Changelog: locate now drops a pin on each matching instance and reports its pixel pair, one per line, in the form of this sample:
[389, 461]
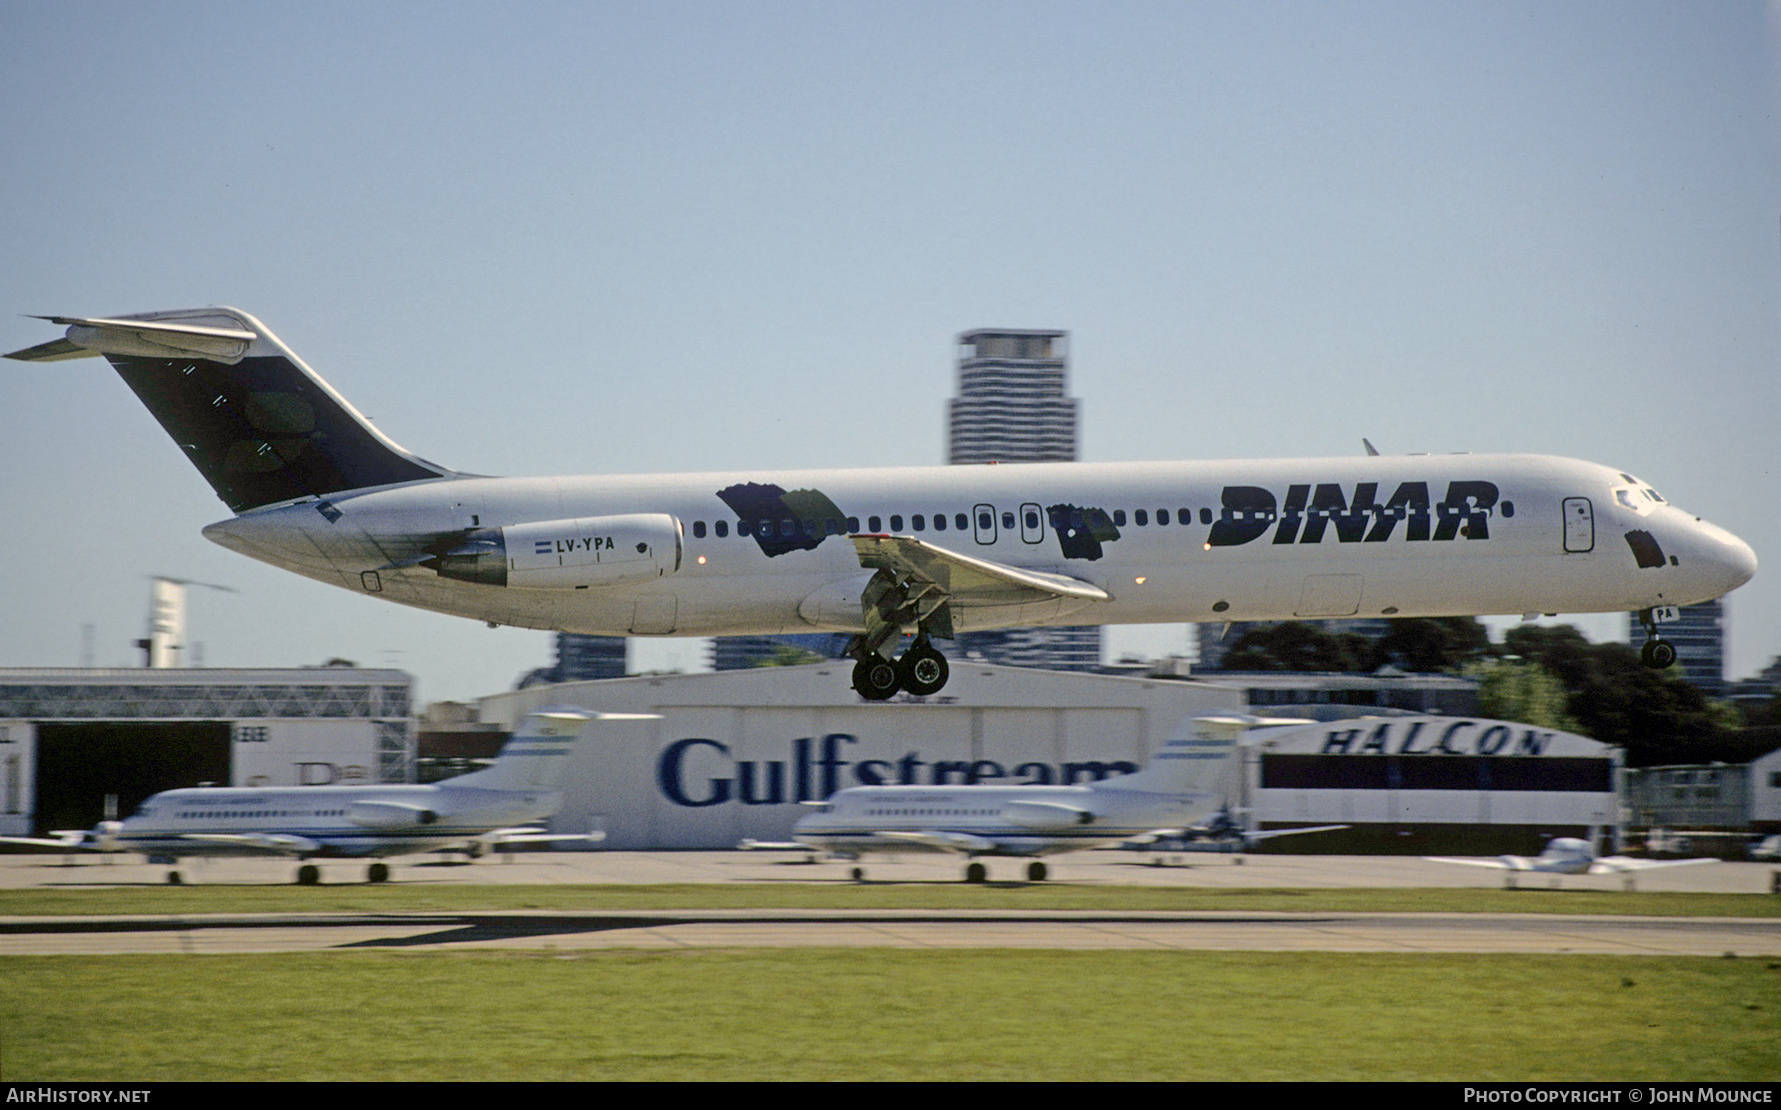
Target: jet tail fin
[1194, 761]
[259, 425]
[538, 753]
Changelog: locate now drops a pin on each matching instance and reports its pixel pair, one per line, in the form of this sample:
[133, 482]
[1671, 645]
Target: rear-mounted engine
[563, 554]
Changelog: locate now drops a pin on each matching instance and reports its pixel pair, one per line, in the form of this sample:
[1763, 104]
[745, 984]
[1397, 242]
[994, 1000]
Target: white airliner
[1179, 787]
[889, 552]
[497, 805]
[1569, 855]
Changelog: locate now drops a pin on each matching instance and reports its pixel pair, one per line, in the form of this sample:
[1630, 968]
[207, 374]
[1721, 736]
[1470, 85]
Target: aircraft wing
[1269, 834]
[946, 841]
[62, 842]
[966, 579]
[1613, 865]
[919, 583]
[1473, 862]
[288, 844]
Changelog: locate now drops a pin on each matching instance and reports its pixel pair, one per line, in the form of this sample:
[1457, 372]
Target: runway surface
[1099, 868]
[659, 930]
[646, 929]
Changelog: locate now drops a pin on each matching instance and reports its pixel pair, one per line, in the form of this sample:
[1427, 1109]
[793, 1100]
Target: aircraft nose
[1731, 561]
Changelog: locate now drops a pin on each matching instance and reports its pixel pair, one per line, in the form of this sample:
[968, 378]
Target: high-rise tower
[1011, 405]
[1012, 408]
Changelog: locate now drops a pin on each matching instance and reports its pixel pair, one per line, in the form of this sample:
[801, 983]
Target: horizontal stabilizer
[95, 335]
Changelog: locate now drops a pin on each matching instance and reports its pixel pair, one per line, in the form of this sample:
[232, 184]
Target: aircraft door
[984, 518]
[1032, 523]
[1579, 525]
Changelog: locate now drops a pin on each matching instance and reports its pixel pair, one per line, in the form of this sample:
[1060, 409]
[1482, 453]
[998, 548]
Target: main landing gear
[921, 671]
[1657, 652]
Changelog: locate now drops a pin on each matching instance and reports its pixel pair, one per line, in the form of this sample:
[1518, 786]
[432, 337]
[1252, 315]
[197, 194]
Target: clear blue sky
[582, 237]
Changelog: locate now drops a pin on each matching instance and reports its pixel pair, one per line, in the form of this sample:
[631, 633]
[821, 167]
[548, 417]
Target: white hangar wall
[735, 752]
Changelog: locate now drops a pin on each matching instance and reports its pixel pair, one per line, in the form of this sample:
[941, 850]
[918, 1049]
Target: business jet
[497, 806]
[1179, 787]
[1568, 855]
[888, 553]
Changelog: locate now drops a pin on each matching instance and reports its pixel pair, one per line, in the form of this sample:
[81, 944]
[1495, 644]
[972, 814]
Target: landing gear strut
[1657, 652]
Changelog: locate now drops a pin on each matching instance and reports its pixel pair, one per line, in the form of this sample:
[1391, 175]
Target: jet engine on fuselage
[570, 554]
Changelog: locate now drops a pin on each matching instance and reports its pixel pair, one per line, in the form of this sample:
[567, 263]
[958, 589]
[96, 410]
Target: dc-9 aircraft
[890, 552]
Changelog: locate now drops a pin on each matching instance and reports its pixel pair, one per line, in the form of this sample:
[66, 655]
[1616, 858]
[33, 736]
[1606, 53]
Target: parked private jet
[1569, 855]
[498, 805]
[1179, 787]
[886, 553]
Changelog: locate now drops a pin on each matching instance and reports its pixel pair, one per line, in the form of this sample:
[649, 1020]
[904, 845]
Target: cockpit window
[1640, 499]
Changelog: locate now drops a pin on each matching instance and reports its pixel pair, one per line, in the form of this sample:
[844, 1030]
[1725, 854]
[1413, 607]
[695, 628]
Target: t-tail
[538, 754]
[257, 423]
[1196, 763]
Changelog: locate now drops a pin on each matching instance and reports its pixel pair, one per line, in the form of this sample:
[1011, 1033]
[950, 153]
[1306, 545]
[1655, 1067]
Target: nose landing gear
[1657, 652]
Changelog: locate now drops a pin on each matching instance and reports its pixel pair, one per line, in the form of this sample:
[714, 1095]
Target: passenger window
[853, 524]
[1119, 518]
[939, 522]
[920, 522]
[874, 524]
[698, 529]
[1205, 516]
[1032, 520]
[1162, 516]
[1185, 516]
[896, 522]
[723, 529]
[1007, 521]
[962, 522]
[1140, 518]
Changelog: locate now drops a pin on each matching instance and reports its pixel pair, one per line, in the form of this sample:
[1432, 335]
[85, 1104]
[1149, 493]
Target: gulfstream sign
[698, 772]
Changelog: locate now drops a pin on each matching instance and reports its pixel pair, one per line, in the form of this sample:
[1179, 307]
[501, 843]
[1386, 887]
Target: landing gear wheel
[976, 873]
[1657, 654]
[378, 873]
[923, 670]
[1035, 872]
[858, 874]
[309, 875]
[875, 678]
[174, 878]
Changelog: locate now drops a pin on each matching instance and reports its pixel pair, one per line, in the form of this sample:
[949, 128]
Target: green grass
[887, 1014]
[395, 897]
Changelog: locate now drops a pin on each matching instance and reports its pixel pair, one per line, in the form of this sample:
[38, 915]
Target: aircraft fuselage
[768, 552]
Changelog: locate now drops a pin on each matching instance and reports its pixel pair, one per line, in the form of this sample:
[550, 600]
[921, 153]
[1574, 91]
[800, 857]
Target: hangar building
[735, 753]
[1430, 784]
[69, 737]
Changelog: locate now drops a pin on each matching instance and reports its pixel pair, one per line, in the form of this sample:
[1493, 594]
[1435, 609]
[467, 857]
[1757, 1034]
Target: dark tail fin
[257, 423]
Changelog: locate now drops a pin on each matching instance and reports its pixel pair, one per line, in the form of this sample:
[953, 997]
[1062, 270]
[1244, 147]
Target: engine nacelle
[1046, 815]
[565, 554]
[389, 815]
